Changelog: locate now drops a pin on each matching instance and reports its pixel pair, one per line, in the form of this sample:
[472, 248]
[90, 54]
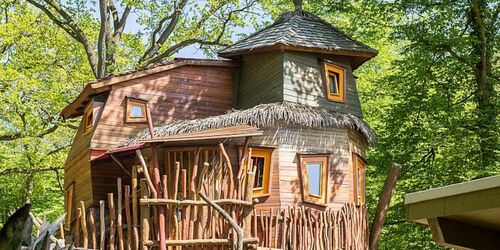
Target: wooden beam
[461, 235]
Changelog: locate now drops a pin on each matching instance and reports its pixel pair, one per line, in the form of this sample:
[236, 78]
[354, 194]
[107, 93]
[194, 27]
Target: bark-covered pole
[383, 205]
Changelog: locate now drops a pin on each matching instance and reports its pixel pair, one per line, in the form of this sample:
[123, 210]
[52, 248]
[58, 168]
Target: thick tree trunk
[487, 112]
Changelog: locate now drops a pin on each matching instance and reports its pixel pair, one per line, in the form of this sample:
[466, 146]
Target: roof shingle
[300, 30]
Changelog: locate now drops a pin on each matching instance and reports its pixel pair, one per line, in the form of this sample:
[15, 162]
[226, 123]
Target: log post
[250, 177]
[127, 217]
[119, 223]
[144, 217]
[111, 221]
[102, 245]
[83, 218]
[383, 205]
[134, 209]
[92, 228]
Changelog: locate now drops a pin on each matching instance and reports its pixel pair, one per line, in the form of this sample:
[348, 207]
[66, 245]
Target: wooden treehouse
[264, 148]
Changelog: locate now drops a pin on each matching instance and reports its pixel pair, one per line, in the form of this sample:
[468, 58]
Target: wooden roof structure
[464, 215]
[264, 115]
[301, 31]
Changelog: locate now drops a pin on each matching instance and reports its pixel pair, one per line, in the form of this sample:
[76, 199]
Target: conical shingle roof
[303, 31]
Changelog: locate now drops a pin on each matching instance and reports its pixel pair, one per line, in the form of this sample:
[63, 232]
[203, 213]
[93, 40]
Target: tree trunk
[487, 112]
[383, 205]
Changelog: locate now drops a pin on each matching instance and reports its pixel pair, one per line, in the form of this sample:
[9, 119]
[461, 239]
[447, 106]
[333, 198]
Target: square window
[334, 79]
[136, 111]
[314, 170]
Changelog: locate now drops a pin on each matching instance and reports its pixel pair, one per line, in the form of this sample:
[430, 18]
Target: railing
[299, 228]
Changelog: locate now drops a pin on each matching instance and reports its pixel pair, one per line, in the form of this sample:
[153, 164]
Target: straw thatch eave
[265, 115]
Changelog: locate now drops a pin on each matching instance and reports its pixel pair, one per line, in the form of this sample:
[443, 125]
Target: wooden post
[383, 205]
[92, 228]
[144, 217]
[102, 245]
[83, 218]
[76, 237]
[127, 217]
[61, 231]
[248, 197]
[111, 221]
[119, 223]
[134, 209]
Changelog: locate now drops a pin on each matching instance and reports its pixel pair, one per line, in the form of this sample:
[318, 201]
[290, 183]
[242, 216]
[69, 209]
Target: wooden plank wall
[261, 79]
[290, 140]
[77, 167]
[183, 93]
[303, 83]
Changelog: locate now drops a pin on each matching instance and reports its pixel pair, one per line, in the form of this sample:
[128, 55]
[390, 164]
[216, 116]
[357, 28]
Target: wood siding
[303, 82]
[77, 167]
[186, 92]
[339, 143]
[261, 79]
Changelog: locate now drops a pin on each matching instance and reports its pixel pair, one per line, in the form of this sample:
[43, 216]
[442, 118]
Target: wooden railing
[299, 228]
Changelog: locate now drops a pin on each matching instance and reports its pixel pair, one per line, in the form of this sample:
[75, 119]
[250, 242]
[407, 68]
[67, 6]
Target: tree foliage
[431, 94]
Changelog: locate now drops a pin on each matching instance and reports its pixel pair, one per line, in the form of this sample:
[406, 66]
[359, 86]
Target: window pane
[333, 79]
[136, 111]
[259, 174]
[314, 178]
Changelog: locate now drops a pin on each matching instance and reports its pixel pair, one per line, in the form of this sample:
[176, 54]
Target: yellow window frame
[328, 69]
[307, 196]
[88, 118]
[266, 154]
[359, 176]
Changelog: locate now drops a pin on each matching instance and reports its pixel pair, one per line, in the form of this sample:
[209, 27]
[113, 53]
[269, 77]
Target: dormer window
[136, 110]
[88, 117]
[334, 78]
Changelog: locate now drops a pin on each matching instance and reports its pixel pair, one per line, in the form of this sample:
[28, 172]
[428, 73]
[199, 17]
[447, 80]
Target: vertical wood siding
[261, 79]
[77, 167]
[187, 92]
[303, 83]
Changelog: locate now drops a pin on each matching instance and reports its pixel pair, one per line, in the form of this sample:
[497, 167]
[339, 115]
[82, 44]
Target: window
[359, 167]
[136, 111]
[314, 178]
[334, 78]
[88, 118]
[261, 159]
[68, 203]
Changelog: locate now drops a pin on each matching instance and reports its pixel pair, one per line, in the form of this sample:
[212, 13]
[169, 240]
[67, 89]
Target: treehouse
[273, 134]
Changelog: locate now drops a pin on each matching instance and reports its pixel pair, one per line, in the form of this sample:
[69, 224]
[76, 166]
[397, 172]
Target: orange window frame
[339, 73]
[88, 118]
[359, 178]
[266, 154]
[137, 103]
[323, 160]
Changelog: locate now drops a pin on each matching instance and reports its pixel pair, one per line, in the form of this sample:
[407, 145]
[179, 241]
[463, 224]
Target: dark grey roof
[300, 30]
[262, 116]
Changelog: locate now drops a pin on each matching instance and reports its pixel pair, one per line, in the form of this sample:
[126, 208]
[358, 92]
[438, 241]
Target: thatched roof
[300, 30]
[262, 116]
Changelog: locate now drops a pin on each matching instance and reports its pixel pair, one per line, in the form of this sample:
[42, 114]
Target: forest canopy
[431, 94]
